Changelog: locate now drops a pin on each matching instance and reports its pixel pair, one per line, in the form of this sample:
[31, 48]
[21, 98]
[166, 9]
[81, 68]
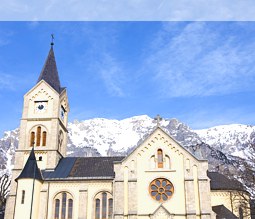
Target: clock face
[40, 106]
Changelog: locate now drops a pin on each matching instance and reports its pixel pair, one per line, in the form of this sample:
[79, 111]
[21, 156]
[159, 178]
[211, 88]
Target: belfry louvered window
[38, 136]
[32, 139]
[44, 135]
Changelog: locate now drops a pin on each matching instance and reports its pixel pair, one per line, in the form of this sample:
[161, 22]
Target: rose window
[161, 189]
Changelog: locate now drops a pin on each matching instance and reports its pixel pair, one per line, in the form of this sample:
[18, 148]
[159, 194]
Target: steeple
[49, 72]
[31, 170]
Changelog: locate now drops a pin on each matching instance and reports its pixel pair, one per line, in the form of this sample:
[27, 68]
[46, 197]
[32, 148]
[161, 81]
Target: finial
[158, 118]
[52, 40]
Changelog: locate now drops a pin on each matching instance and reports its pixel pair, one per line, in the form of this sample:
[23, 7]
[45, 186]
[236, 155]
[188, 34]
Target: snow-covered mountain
[8, 144]
[221, 145]
[235, 139]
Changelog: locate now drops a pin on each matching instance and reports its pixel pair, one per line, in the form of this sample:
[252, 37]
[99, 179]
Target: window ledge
[160, 170]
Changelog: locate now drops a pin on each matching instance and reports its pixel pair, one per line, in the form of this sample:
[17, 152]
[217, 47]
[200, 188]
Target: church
[159, 179]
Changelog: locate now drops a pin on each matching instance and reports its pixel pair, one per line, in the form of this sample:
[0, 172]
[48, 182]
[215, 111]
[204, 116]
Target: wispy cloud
[33, 24]
[5, 37]
[13, 82]
[104, 62]
[199, 59]
[111, 73]
[206, 118]
[6, 81]
[142, 10]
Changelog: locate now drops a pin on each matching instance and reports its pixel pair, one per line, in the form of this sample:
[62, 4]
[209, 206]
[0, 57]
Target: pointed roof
[31, 169]
[49, 72]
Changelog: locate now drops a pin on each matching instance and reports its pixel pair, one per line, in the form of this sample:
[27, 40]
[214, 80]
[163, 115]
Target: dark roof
[49, 72]
[83, 167]
[221, 182]
[62, 170]
[30, 169]
[223, 213]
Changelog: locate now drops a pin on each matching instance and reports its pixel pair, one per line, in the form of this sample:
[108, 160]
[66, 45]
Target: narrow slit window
[23, 197]
[38, 136]
[160, 158]
[44, 138]
[32, 139]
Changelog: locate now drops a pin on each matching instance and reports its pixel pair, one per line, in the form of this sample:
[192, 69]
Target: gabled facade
[160, 179]
[160, 172]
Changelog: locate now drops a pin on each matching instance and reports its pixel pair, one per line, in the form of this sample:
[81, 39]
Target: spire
[49, 72]
[31, 170]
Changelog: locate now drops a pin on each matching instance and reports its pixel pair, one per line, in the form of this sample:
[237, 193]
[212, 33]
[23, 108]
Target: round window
[161, 189]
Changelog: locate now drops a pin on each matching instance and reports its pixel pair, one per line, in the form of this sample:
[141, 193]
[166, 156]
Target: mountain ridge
[106, 137]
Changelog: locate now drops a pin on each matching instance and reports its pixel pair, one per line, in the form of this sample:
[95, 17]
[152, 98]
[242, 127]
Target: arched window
[110, 207]
[63, 206]
[167, 162]
[63, 209]
[160, 158]
[103, 206]
[32, 139]
[57, 205]
[152, 162]
[70, 208]
[97, 213]
[38, 136]
[44, 136]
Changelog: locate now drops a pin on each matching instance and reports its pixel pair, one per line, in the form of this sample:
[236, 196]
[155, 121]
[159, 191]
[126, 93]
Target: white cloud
[196, 60]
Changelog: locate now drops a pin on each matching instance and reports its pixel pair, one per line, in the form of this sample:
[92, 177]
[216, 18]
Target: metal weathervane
[52, 39]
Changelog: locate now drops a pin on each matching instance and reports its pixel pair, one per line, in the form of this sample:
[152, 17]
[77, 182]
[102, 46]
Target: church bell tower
[44, 119]
[42, 139]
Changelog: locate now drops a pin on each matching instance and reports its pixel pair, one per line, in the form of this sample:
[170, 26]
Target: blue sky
[126, 10]
[202, 73]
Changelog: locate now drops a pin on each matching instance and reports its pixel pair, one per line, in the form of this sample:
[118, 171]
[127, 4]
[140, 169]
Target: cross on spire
[52, 40]
[158, 118]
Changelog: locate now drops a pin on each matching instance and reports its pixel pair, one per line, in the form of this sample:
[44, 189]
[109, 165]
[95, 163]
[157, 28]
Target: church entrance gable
[161, 213]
